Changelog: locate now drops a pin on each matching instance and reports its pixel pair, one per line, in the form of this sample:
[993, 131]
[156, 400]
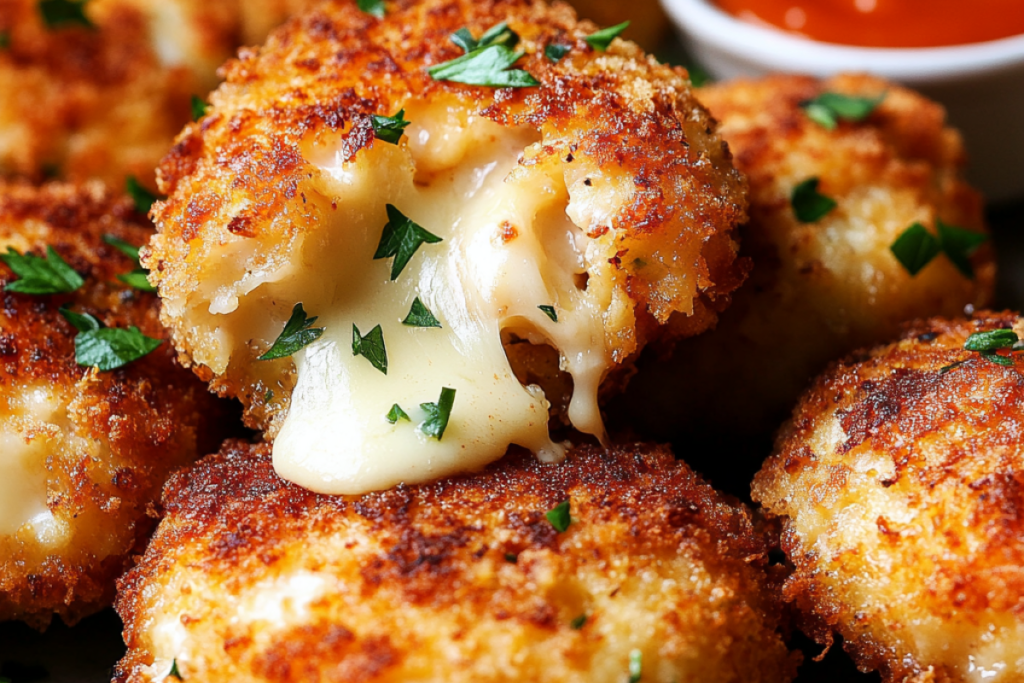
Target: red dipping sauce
[887, 23]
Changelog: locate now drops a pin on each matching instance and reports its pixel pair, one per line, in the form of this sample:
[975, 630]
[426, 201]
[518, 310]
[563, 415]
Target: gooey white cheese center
[507, 248]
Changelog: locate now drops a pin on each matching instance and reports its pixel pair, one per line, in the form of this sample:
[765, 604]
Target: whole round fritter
[84, 453]
[104, 100]
[900, 480]
[250, 578]
[244, 195]
[821, 289]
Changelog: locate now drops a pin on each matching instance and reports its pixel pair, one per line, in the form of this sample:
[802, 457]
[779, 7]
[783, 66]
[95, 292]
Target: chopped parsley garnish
[401, 238]
[958, 245]
[142, 197]
[559, 516]
[438, 414]
[198, 108]
[486, 66]
[174, 670]
[51, 275]
[512, 558]
[578, 623]
[555, 51]
[603, 38]
[396, 413]
[57, 13]
[107, 348]
[809, 205]
[138, 278]
[549, 311]
[5, 40]
[916, 247]
[389, 128]
[371, 347]
[499, 34]
[828, 108]
[636, 666]
[986, 344]
[420, 316]
[297, 334]
[373, 7]
[269, 396]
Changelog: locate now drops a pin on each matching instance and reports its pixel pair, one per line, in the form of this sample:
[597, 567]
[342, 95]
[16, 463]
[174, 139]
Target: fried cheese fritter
[250, 578]
[83, 454]
[818, 290]
[900, 480]
[104, 101]
[601, 194]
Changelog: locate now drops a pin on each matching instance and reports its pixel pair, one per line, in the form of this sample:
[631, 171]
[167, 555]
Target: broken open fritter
[366, 179]
[647, 571]
[83, 453]
[825, 285]
[900, 481]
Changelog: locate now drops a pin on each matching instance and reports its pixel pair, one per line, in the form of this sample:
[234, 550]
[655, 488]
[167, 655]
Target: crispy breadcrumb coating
[83, 454]
[105, 102]
[254, 186]
[818, 290]
[250, 578]
[900, 480]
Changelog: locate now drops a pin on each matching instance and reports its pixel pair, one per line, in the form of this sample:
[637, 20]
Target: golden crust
[414, 582]
[820, 290]
[105, 102]
[109, 439]
[241, 175]
[901, 491]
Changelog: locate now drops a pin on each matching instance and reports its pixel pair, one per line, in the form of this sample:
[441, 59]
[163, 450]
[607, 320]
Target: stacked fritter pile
[424, 243]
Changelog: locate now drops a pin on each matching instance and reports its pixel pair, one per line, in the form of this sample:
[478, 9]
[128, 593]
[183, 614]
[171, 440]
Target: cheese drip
[507, 248]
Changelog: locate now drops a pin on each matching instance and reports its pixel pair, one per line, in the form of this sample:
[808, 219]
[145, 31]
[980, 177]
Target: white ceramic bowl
[981, 85]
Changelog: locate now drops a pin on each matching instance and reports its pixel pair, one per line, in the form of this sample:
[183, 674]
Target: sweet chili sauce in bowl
[887, 23]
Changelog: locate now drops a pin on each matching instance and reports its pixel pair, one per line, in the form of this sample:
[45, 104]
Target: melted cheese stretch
[507, 248]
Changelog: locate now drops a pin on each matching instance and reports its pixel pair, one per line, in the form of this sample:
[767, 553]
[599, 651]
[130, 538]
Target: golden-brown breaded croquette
[590, 209]
[250, 578]
[820, 289]
[104, 100]
[83, 453]
[900, 480]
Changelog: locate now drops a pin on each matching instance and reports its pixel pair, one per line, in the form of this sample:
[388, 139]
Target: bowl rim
[782, 51]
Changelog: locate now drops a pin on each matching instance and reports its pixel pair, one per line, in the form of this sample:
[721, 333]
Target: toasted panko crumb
[250, 578]
[818, 290]
[900, 482]
[83, 454]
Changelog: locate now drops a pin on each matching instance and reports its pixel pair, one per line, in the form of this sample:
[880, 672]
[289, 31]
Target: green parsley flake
[51, 275]
[5, 40]
[142, 197]
[488, 66]
[420, 316]
[107, 348]
[198, 108]
[396, 413]
[549, 311]
[958, 245]
[499, 34]
[578, 623]
[809, 205]
[512, 558]
[559, 516]
[174, 670]
[828, 108]
[401, 238]
[603, 38]
[371, 347]
[438, 414]
[986, 344]
[915, 248]
[126, 248]
[297, 334]
[138, 278]
[373, 7]
[58, 13]
[269, 396]
[555, 51]
[389, 128]
[636, 666]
